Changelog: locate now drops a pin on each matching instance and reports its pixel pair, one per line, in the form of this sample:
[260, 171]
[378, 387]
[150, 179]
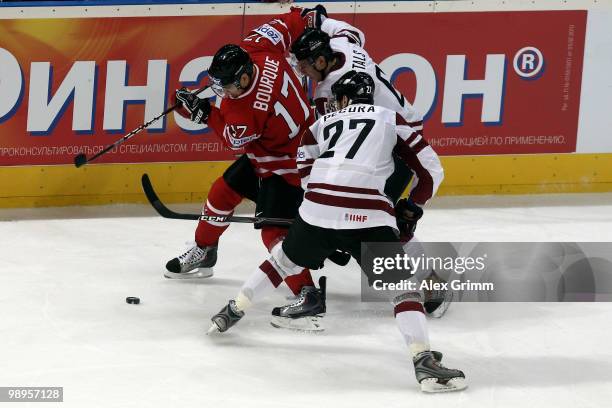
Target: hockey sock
[267, 277]
[297, 282]
[221, 201]
[297, 277]
[412, 324]
[272, 235]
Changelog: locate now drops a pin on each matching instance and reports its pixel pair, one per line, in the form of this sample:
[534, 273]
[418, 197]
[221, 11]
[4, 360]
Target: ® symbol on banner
[528, 62]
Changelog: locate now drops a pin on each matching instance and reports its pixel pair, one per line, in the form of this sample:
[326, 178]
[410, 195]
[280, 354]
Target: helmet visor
[220, 87]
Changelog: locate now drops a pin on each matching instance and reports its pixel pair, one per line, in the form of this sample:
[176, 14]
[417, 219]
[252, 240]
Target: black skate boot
[305, 313]
[226, 318]
[437, 301]
[433, 376]
[195, 263]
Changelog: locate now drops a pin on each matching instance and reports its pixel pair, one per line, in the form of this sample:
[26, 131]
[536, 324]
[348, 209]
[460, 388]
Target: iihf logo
[355, 217]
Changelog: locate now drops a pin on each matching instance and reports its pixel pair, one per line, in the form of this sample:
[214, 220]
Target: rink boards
[516, 95]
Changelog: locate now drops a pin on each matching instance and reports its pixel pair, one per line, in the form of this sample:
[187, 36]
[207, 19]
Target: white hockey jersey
[347, 42]
[345, 158]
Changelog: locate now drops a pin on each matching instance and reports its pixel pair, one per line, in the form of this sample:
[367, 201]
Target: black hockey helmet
[358, 87]
[228, 65]
[312, 44]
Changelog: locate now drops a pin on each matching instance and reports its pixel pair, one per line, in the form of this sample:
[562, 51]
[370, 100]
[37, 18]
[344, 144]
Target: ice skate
[305, 313]
[226, 318]
[437, 302]
[195, 263]
[434, 377]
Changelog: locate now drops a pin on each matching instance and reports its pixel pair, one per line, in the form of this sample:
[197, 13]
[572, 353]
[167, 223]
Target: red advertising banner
[88, 81]
[489, 82]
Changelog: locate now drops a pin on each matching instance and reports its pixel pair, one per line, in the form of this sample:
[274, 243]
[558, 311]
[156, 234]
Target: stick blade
[80, 159]
[157, 204]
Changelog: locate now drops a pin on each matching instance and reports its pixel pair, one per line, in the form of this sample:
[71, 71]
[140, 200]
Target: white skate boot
[195, 263]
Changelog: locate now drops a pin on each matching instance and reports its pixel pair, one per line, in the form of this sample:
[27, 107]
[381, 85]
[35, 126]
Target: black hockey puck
[132, 300]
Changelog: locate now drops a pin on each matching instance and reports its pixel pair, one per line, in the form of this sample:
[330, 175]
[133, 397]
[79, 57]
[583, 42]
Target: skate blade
[306, 324]
[198, 273]
[432, 385]
[212, 329]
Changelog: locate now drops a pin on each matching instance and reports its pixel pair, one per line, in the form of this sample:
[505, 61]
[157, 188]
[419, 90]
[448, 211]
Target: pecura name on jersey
[266, 84]
[350, 109]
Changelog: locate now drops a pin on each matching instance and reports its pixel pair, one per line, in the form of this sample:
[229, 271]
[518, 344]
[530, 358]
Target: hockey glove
[407, 213]
[198, 109]
[314, 17]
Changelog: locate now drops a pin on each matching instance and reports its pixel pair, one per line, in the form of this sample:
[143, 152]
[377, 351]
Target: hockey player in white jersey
[326, 53]
[344, 160]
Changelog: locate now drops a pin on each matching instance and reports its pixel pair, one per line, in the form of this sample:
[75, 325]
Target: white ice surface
[64, 275]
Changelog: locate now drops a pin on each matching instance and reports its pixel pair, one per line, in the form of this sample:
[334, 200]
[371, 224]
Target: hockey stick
[80, 159]
[338, 257]
[168, 213]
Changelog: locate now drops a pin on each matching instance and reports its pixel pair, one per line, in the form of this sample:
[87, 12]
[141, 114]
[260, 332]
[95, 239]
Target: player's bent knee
[283, 261]
[271, 236]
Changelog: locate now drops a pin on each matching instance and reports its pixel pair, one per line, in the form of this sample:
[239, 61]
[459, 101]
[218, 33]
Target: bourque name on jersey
[266, 84]
[350, 109]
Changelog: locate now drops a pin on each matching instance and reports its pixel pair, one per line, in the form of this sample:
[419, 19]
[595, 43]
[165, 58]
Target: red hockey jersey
[267, 119]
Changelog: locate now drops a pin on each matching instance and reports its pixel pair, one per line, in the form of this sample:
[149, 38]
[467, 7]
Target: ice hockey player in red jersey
[346, 158]
[263, 110]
